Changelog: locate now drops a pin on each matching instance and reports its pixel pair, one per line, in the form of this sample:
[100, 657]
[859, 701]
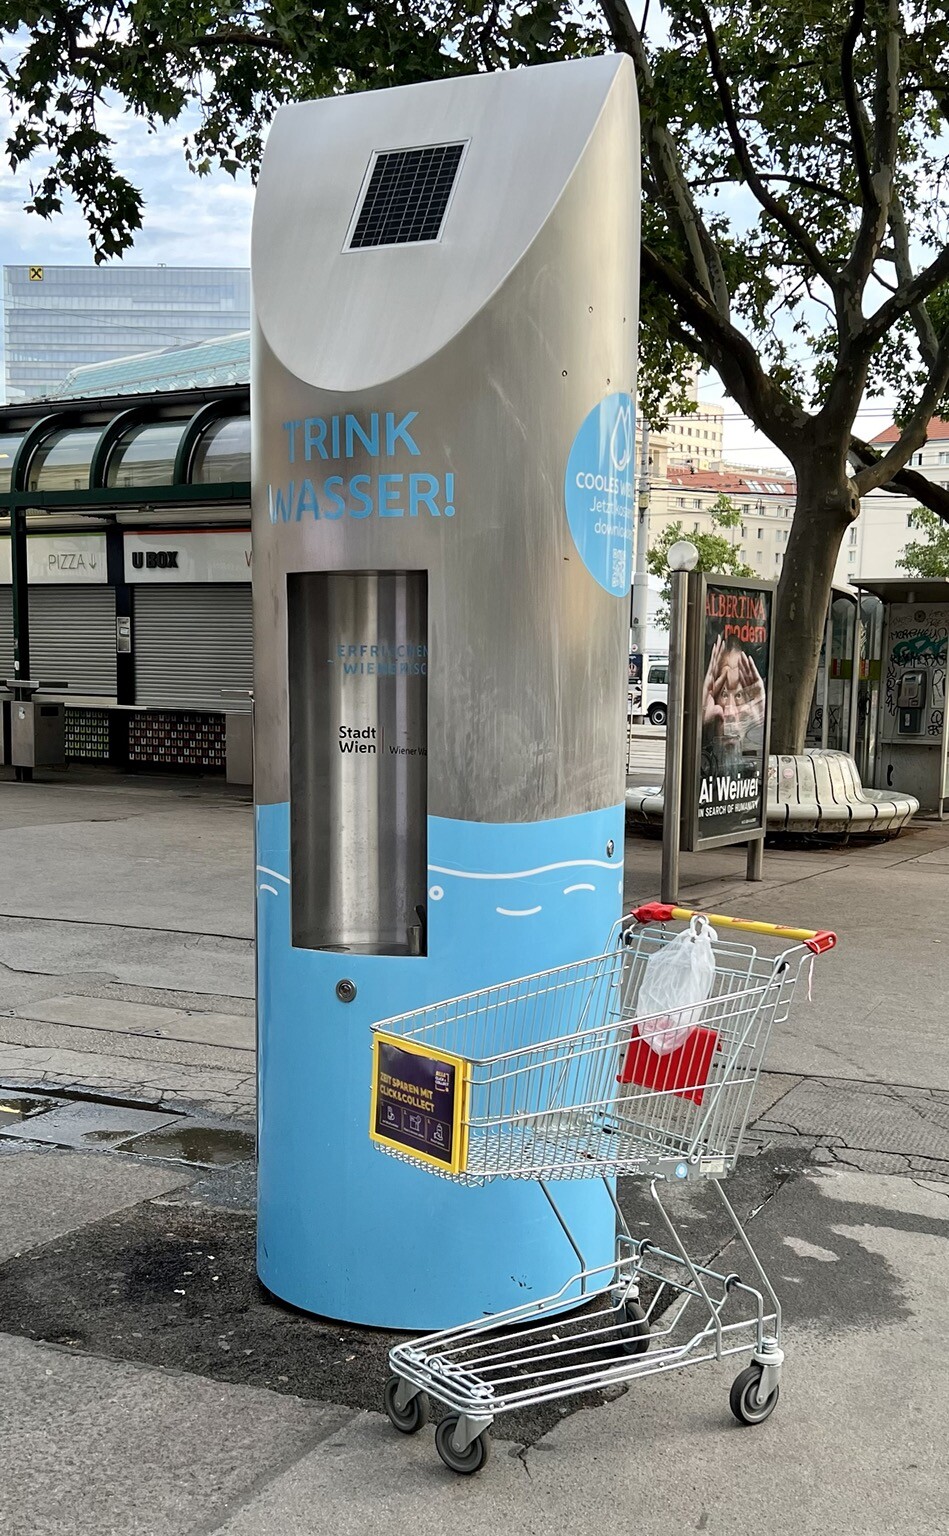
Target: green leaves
[757, 117]
[718, 551]
[771, 110]
[235, 61]
[930, 556]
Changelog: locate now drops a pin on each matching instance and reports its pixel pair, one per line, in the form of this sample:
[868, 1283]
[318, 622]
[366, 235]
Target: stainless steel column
[358, 759]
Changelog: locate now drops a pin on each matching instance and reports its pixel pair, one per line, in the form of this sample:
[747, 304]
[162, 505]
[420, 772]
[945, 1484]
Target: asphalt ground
[154, 1386]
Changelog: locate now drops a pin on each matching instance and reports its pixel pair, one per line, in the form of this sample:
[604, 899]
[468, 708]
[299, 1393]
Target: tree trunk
[827, 503]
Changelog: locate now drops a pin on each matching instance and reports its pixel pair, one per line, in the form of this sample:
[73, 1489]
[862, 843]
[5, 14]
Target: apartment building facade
[765, 501]
[874, 544]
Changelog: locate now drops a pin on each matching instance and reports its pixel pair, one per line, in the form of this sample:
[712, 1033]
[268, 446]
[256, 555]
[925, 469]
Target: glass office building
[56, 319]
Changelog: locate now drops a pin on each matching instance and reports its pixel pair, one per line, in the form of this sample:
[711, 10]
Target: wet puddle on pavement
[110, 1136]
[16, 1107]
[211, 1146]
[86, 1124]
[80, 1123]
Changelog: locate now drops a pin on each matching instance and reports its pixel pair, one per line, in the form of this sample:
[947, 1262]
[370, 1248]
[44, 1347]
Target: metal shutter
[6, 632]
[194, 646]
[72, 637]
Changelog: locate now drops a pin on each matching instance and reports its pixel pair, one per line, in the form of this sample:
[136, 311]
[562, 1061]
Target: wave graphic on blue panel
[529, 894]
[503, 900]
[436, 892]
[493, 887]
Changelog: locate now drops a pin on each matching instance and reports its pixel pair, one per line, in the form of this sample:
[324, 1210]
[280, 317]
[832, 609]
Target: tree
[793, 159]
[811, 291]
[717, 552]
[232, 63]
[928, 557]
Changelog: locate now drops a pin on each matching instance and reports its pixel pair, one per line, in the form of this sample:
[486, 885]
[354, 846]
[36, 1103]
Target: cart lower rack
[555, 1076]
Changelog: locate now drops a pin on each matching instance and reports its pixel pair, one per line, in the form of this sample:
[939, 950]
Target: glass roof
[222, 361]
[9, 443]
[222, 452]
[63, 460]
[145, 454]
[199, 449]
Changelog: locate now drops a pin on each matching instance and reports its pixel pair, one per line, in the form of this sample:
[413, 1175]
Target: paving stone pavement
[95, 1440]
[169, 1396]
[94, 1445]
[873, 1126]
[172, 1083]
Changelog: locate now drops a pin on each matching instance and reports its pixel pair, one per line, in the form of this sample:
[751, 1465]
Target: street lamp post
[683, 557]
[640, 605]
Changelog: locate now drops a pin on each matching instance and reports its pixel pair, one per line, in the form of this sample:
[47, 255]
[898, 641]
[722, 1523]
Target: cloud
[188, 221]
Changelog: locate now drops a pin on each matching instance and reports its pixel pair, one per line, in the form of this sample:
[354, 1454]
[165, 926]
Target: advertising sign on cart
[419, 1103]
[728, 710]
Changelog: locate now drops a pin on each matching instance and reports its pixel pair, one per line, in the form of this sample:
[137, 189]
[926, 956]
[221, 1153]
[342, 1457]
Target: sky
[189, 221]
[744, 445]
[193, 222]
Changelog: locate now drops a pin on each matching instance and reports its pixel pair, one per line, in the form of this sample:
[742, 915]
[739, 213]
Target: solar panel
[407, 196]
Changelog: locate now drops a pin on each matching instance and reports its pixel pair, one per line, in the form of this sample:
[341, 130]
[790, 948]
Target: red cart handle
[817, 940]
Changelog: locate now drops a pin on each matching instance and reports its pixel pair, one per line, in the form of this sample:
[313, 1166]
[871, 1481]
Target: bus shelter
[126, 631]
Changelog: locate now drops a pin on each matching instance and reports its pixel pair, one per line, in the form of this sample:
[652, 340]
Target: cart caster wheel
[467, 1461]
[742, 1399]
[633, 1336]
[410, 1419]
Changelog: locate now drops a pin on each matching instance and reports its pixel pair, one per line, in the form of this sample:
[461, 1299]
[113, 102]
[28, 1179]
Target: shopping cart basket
[552, 1077]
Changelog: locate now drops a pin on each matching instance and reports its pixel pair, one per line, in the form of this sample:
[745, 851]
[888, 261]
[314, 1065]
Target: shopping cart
[552, 1077]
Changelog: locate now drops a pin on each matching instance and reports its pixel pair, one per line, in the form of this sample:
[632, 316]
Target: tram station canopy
[164, 429]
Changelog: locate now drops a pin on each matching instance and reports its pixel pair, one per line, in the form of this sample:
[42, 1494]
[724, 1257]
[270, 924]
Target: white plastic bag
[677, 982]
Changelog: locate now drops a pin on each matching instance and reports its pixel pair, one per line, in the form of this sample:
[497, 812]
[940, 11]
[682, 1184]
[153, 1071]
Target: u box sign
[154, 559]
[213, 555]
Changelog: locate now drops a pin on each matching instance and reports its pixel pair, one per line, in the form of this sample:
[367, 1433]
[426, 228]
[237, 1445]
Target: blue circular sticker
[598, 493]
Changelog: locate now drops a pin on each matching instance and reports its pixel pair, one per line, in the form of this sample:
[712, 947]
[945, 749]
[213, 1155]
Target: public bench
[818, 792]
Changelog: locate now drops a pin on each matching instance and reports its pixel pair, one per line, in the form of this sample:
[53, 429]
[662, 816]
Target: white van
[655, 702]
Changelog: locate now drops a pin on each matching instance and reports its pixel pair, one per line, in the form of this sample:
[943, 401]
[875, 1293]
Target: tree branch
[815, 298]
[485, 31]
[792, 227]
[908, 296]
[913, 433]
[858, 138]
[671, 182]
[876, 182]
[902, 262]
[887, 96]
[731, 354]
[834, 193]
[904, 482]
